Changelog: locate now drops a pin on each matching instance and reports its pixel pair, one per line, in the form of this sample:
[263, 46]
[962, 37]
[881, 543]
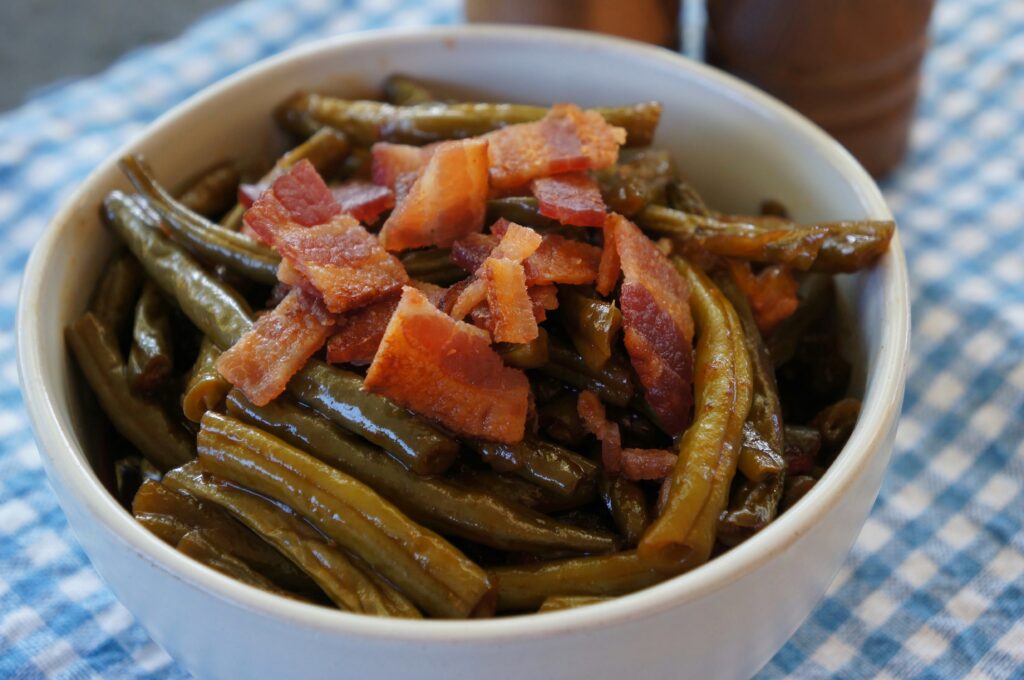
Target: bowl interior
[737, 146]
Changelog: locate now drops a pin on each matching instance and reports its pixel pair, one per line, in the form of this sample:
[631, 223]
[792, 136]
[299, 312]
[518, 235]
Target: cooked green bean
[627, 504]
[797, 487]
[533, 354]
[433, 265]
[709, 449]
[212, 242]
[752, 507]
[802, 446]
[554, 603]
[681, 195]
[761, 455]
[518, 491]
[196, 546]
[560, 420]
[836, 423]
[205, 387]
[343, 582]
[171, 514]
[442, 505]
[326, 149]
[339, 395]
[404, 91]
[522, 210]
[370, 121]
[113, 303]
[540, 462]
[613, 383]
[526, 587]
[633, 184]
[593, 325]
[425, 567]
[143, 423]
[151, 358]
[214, 192]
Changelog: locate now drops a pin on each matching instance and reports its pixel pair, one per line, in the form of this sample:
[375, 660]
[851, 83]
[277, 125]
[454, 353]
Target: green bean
[797, 487]
[219, 313]
[143, 423]
[343, 582]
[433, 265]
[613, 383]
[526, 587]
[518, 491]
[214, 192]
[326, 149]
[627, 504]
[533, 354]
[816, 295]
[444, 506]
[367, 122]
[752, 507]
[631, 185]
[404, 91]
[195, 545]
[836, 423]
[522, 210]
[802, 446]
[205, 387]
[681, 195]
[213, 307]
[592, 324]
[709, 449]
[339, 395]
[171, 514]
[554, 603]
[212, 242]
[151, 358]
[429, 570]
[761, 454]
[560, 420]
[113, 303]
[540, 462]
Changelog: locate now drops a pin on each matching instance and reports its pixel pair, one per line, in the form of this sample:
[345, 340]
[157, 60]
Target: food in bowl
[496, 366]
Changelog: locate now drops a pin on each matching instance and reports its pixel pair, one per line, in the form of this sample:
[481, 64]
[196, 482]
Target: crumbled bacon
[248, 193]
[572, 198]
[592, 415]
[610, 266]
[471, 251]
[566, 140]
[558, 260]
[641, 464]
[544, 299]
[446, 202]
[658, 328]
[300, 219]
[391, 162]
[772, 292]
[446, 370]
[363, 200]
[276, 347]
[508, 300]
[360, 332]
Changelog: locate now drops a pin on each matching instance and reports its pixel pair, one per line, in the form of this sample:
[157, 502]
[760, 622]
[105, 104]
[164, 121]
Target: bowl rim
[878, 416]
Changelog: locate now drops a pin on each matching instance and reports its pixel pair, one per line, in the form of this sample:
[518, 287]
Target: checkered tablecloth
[935, 584]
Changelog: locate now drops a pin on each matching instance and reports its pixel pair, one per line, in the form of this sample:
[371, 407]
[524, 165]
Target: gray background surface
[45, 41]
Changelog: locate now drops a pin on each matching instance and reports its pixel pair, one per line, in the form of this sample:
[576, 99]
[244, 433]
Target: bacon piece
[566, 140]
[592, 415]
[447, 201]
[610, 266]
[571, 199]
[544, 299]
[508, 301]
[363, 200]
[646, 464]
[446, 370]
[558, 260]
[517, 243]
[299, 218]
[772, 292]
[248, 193]
[471, 251]
[658, 328]
[390, 162]
[276, 347]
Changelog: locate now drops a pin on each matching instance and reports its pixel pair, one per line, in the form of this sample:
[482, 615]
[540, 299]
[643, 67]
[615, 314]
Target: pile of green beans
[338, 497]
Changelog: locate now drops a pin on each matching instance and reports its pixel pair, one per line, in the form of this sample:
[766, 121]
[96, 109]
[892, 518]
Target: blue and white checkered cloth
[934, 587]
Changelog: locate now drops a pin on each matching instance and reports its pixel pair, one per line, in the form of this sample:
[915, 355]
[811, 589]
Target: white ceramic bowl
[723, 620]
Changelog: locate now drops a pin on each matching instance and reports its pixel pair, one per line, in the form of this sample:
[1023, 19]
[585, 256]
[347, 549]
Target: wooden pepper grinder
[852, 66]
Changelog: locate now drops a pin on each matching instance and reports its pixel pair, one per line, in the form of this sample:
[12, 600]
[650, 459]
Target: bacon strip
[263, 360]
[571, 199]
[592, 415]
[446, 370]
[363, 200]
[566, 140]
[610, 265]
[517, 243]
[446, 202]
[658, 328]
[640, 464]
[508, 301]
[299, 218]
[558, 260]
[390, 162]
[772, 292]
